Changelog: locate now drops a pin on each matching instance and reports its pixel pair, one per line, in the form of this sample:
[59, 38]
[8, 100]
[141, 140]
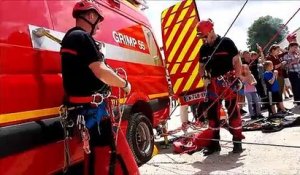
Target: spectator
[274, 56]
[287, 85]
[275, 97]
[255, 65]
[250, 92]
[293, 68]
[246, 59]
[256, 68]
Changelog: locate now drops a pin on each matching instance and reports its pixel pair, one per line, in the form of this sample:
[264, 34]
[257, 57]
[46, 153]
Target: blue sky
[224, 12]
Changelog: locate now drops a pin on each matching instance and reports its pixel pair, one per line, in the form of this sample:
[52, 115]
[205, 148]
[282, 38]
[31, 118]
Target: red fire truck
[31, 91]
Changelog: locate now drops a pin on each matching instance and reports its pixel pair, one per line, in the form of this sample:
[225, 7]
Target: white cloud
[224, 12]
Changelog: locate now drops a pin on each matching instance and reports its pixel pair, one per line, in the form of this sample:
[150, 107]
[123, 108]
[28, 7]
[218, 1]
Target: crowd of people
[234, 75]
[267, 79]
[262, 78]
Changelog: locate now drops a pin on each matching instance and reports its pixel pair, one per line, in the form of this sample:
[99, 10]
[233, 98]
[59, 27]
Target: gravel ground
[256, 159]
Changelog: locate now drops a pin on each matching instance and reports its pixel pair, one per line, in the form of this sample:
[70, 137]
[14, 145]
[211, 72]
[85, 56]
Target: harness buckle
[221, 81]
[97, 99]
[206, 96]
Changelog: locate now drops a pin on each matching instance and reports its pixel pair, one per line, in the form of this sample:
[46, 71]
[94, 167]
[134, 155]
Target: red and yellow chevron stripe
[181, 46]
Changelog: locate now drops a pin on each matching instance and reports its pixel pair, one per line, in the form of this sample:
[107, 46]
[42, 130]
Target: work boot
[237, 147]
[214, 147]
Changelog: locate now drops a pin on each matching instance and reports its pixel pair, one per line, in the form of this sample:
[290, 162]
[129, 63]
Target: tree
[263, 30]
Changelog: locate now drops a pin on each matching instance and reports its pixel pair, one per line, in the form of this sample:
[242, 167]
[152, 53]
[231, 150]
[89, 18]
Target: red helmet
[85, 5]
[292, 37]
[204, 27]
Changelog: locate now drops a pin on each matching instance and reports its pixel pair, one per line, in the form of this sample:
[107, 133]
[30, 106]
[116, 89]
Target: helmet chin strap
[93, 25]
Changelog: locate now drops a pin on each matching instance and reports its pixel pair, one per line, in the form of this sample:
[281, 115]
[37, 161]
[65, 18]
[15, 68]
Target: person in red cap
[293, 68]
[219, 57]
[292, 38]
[86, 81]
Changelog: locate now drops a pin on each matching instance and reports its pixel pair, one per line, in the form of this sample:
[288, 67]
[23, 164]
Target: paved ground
[256, 159]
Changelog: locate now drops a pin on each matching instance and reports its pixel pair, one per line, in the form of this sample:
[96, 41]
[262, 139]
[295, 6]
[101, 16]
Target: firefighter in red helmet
[88, 6]
[86, 81]
[204, 27]
[219, 57]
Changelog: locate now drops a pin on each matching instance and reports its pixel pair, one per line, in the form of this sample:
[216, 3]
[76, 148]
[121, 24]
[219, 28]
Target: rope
[202, 115]
[42, 32]
[211, 56]
[217, 47]
[277, 33]
[218, 98]
[63, 113]
[270, 103]
[120, 110]
[227, 141]
[216, 50]
[67, 156]
[247, 143]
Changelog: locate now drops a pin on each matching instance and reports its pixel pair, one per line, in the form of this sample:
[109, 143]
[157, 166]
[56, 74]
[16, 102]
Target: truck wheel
[140, 137]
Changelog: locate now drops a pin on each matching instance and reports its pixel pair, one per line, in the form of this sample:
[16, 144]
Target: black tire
[140, 137]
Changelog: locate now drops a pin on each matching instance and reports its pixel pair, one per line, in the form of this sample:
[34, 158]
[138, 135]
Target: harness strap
[123, 165]
[113, 161]
[93, 25]
[94, 100]
[87, 99]
[113, 158]
[90, 163]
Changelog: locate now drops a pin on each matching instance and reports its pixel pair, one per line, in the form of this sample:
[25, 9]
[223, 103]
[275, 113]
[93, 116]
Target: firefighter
[86, 79]
[222, 64]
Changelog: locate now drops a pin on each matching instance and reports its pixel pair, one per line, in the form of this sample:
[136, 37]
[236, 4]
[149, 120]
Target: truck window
[153, 48]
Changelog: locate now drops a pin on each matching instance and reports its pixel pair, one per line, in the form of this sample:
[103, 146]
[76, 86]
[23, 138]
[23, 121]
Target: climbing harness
[266, 128]
[84, 133]
[218, 46]
[67, 125]
[81, 124]
[236, 79]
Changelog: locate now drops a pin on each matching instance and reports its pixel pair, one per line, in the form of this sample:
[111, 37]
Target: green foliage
[263, 30]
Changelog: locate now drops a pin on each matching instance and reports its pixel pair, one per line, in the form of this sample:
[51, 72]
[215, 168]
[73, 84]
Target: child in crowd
[273, 89]
[251, 93]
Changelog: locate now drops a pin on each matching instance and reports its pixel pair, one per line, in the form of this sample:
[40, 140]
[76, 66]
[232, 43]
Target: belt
[94, 100]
